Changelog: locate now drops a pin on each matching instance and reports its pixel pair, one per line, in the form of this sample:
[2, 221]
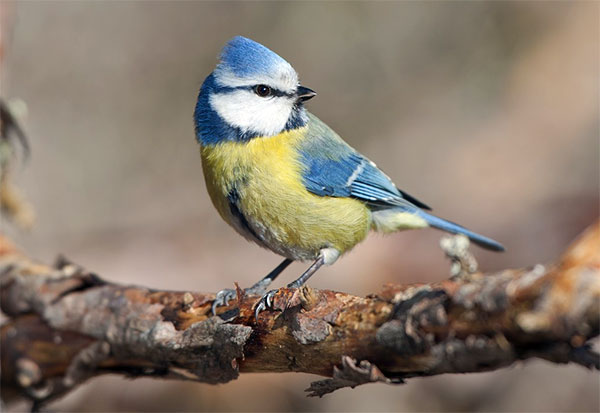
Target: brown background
[488, 111]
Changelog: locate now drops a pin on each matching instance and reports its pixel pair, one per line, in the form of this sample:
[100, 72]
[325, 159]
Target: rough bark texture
[66, 325]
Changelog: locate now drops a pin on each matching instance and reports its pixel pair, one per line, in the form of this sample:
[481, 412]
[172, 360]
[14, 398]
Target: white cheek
[251, 113]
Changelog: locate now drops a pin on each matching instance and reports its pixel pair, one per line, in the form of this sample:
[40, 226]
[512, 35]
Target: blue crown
[245, 57]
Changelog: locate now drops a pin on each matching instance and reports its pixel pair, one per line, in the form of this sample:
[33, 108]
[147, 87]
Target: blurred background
[487, 111]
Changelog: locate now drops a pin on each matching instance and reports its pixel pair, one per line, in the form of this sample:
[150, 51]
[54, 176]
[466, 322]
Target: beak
[305, 93]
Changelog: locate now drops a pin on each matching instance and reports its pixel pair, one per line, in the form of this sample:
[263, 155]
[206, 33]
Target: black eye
[262, 90]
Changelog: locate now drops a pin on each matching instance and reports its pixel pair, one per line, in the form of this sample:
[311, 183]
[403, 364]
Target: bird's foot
[302, 298]
[265, 303]
[226, 295]
[223, 298]
[284, 299]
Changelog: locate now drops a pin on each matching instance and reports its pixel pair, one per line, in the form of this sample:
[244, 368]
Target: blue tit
[285, 180]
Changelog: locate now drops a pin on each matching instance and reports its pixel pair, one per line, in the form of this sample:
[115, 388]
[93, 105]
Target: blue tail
[453, 228]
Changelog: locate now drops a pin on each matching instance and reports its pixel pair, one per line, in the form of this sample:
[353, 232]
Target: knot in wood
[406, 333]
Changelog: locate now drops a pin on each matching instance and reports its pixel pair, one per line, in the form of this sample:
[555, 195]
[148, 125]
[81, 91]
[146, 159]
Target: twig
[67, 325]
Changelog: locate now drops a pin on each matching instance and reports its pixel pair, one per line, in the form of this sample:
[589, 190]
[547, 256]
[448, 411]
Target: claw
[265, 303]
[259, 308]
[222, 299]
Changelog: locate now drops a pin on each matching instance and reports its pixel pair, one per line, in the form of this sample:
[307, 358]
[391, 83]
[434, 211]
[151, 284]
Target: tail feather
[453, 228]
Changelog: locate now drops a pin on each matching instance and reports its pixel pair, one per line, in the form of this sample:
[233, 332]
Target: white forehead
[281, 76]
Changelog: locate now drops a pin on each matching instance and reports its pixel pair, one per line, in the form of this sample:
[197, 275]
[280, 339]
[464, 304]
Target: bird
[284, 179]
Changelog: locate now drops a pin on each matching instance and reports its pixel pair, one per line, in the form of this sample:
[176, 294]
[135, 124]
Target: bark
[66, 325]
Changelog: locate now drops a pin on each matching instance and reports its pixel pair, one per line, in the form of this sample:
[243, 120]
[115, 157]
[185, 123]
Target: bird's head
[252, 92]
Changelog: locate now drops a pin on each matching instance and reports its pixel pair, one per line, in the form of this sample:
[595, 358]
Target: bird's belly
[298, 224]
[272, 207]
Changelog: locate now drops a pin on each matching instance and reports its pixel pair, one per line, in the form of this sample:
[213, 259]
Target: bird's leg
[224, 296]
[261, 286]
[266, 301]
[300, 281]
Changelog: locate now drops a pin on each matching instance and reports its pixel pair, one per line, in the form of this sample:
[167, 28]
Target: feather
[334, 168]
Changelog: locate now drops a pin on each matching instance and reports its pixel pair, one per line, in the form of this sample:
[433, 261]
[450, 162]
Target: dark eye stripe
[279, 93]
[274, 92]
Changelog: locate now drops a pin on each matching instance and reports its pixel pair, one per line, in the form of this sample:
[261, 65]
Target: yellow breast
[266, 176]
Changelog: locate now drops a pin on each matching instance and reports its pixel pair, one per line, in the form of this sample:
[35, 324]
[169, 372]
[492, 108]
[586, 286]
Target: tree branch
[66, 325]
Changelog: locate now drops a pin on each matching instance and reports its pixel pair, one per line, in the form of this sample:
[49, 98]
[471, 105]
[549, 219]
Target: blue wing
[333, 168]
